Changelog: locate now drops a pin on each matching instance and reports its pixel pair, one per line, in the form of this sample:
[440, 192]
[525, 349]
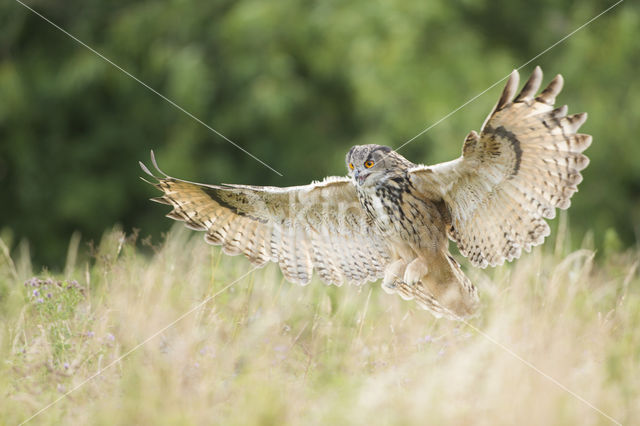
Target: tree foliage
[296, 83]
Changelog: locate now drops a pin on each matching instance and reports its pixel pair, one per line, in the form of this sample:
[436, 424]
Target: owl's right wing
[524, 164]
[319, 225]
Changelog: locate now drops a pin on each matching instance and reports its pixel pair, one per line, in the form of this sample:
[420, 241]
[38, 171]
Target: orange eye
[368, 164]
[351, 166]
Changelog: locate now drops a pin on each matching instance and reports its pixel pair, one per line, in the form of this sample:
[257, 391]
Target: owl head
[366, 164]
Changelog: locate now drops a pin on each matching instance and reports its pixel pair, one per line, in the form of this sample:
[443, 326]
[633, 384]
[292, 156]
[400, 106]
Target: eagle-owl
[390, 218]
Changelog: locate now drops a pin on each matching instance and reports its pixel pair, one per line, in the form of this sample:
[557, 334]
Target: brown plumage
[391, 219]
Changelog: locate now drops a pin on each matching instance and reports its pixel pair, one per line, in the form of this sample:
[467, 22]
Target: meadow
[167, 331]
[177, 333]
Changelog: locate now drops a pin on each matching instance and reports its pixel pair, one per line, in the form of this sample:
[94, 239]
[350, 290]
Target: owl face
[367, 163]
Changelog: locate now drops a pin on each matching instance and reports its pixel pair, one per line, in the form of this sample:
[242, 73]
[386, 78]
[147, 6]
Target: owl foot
[416, 269]
[392, 275]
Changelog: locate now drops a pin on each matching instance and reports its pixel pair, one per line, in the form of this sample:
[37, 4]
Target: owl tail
[445, 291]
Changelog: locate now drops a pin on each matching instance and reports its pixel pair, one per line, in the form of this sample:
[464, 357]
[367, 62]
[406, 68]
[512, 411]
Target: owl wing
[525, 163]
[319, 225]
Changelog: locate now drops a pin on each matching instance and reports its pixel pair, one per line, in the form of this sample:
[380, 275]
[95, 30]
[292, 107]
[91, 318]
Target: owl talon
[405, 291]
[415, 271]
[389, 287]
[393, 275]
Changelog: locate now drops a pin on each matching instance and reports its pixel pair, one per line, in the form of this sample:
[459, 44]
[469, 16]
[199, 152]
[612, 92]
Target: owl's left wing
[524, 164]
[319, 225]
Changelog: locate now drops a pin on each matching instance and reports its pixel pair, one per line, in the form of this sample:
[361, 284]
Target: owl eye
[368, 164]
[351, 166]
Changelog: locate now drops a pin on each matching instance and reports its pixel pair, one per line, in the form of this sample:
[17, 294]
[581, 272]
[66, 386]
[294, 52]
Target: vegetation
[143, 332]
[262, 351]
[295, 83]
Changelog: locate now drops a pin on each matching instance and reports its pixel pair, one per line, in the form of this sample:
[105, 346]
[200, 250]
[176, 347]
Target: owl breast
[399, 212]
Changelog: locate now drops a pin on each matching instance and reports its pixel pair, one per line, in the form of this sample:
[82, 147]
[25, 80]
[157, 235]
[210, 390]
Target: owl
[391, 219]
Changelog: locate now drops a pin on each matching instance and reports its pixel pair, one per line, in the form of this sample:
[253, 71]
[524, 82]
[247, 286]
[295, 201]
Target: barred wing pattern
[320, 225]
[525, 163]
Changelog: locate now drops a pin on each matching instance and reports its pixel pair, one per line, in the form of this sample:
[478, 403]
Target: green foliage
[295, 83]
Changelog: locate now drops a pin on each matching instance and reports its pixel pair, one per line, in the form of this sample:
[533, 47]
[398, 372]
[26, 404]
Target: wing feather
[524, 164]
[320, 225]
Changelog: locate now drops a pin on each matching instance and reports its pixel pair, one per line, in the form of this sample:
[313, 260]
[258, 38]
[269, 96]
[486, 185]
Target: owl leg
[416, 269]
[392, 275]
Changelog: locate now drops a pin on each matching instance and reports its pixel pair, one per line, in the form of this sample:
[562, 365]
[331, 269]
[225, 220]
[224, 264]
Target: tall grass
[265, 351]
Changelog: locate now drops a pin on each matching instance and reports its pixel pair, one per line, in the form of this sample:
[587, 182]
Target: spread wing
[525, 163]
[320, 225]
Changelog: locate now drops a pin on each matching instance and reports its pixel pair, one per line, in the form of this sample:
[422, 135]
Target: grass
[265, 351]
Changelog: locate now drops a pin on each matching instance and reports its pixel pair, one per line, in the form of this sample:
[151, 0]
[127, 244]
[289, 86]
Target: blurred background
[296, 83]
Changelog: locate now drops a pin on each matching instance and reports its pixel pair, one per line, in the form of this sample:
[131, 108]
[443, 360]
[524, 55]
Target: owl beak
[360, 177]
